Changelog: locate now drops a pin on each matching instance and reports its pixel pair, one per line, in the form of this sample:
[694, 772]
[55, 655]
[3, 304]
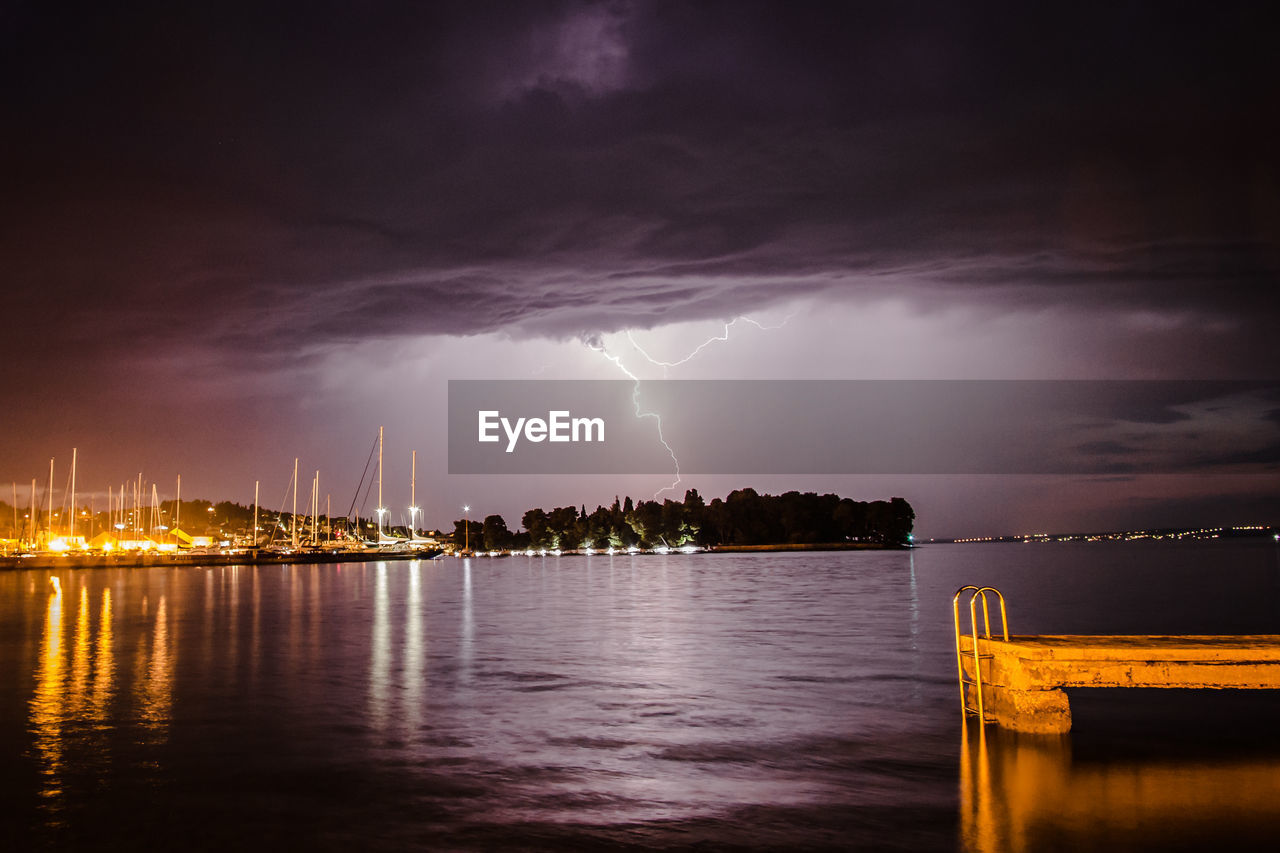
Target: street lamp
[466, 528]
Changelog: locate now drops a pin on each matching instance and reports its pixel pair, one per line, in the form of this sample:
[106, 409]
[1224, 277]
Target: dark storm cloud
[1107, 448]
[1266, 456]
[258, 180]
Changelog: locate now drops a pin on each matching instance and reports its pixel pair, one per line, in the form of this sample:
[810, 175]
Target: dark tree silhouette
[745, 517]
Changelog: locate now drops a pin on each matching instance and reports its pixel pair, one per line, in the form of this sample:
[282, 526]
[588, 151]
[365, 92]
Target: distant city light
[1125, 535]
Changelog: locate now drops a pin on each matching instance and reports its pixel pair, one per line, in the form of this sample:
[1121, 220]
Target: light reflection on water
[70, 707]
[104, 667]
[1025, 793]
[380, 670]
[413, 652]
[468, 625]
[154, 679]
[766, 701]
[47, 704]
[77, 692]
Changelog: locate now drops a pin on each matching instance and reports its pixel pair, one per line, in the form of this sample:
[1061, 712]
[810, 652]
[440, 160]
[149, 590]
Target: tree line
[745, 517]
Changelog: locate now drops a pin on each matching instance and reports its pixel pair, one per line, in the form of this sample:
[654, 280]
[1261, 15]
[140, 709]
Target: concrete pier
[1023, 678]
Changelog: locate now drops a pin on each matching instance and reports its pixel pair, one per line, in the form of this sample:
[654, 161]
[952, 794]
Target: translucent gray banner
[863, 426]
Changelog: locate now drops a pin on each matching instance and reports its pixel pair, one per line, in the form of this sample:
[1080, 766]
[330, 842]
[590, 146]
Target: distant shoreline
[801, 546]
[144, 561]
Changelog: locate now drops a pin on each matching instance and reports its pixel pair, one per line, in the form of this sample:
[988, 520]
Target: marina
[156, 559]
[146, 533]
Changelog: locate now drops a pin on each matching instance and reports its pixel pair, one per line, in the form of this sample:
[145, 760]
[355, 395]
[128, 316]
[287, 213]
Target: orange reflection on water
[1026, 793]
[155, 686]
[64, 699]
[315, 647]
[232, 598]
[104, 664]
[47, 702]
[255, 631]
[78, 690]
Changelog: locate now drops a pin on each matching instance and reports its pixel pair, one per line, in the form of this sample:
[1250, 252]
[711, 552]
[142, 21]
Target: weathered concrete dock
[1022, 678]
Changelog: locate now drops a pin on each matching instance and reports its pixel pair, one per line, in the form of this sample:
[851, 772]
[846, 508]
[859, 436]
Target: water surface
[746, 701]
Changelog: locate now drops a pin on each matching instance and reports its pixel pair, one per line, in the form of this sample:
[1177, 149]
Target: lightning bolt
[596, 344]
[720, 338]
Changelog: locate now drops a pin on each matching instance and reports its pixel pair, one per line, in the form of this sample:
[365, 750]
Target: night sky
[241, 233]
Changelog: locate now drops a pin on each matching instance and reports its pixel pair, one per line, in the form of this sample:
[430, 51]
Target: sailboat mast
[413, 495]
[177, 504]
[72, 533]
[255, 513]
[315, 510]
[295, 502]
[49, 521]
[381, 508]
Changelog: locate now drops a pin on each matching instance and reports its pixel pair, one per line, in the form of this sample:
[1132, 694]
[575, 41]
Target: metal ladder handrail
[977, 592]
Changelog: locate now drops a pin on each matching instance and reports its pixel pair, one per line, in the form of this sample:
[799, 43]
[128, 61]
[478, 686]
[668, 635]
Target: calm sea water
[760, 701]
